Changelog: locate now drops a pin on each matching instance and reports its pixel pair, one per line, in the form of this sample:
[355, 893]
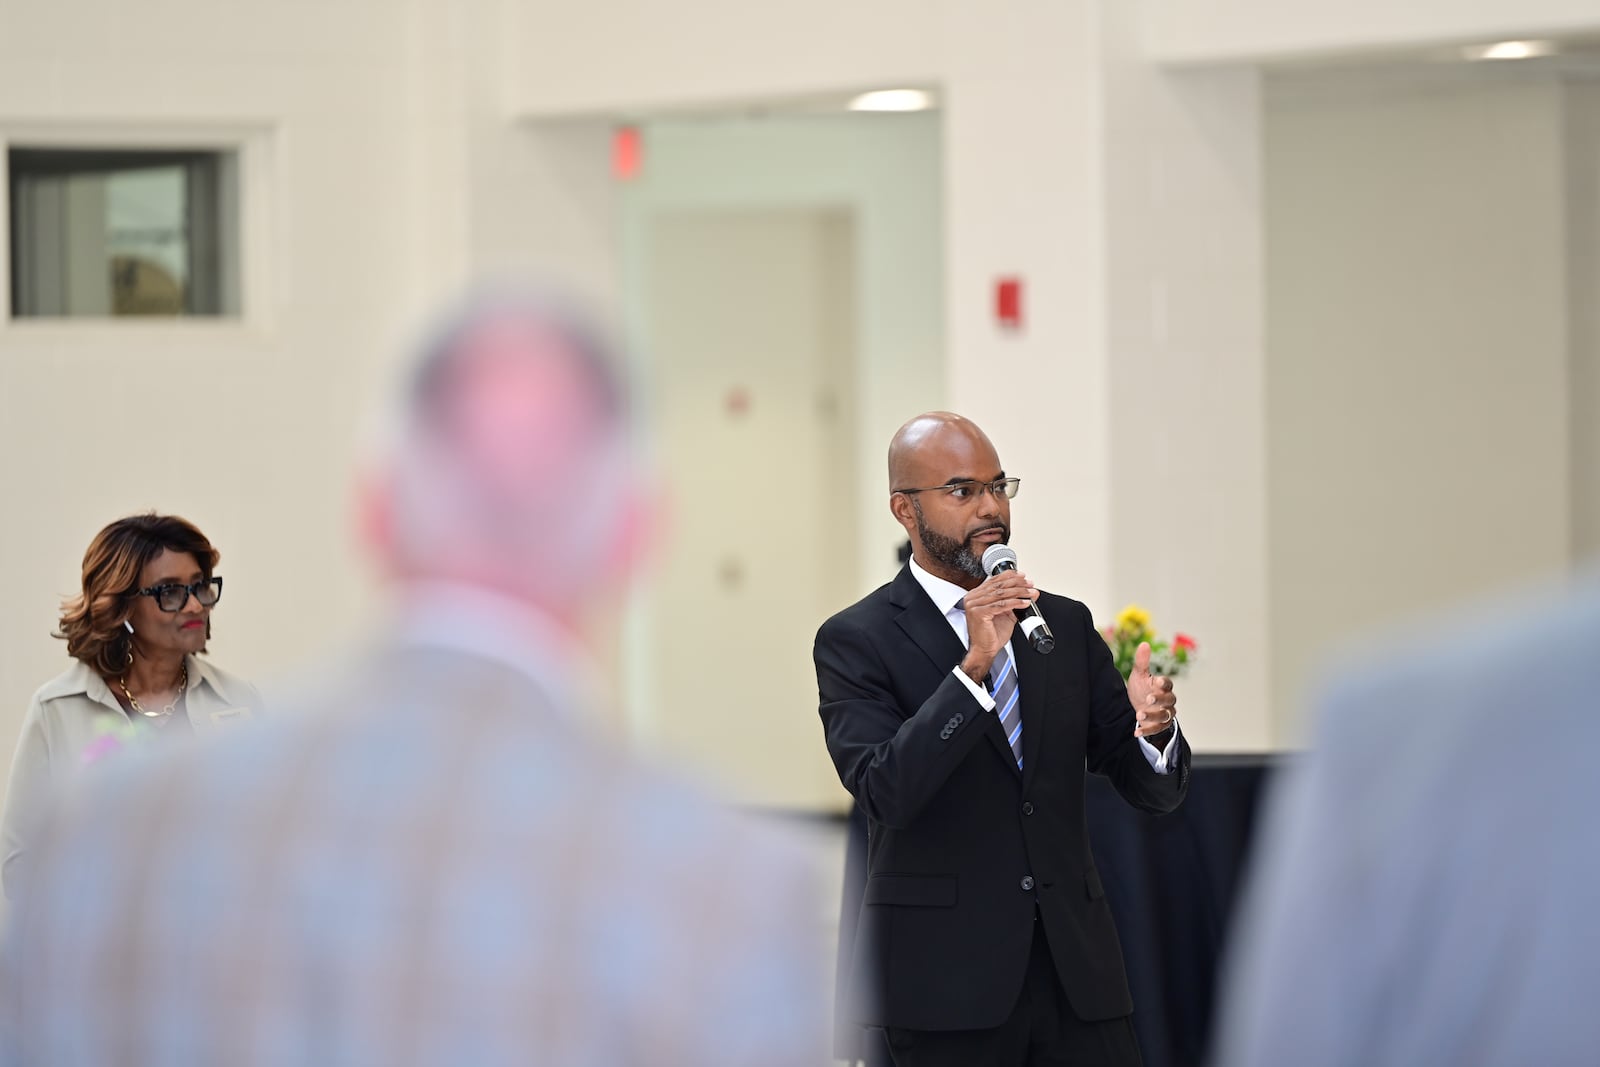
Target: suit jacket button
[1027, 882]
[1027, 807]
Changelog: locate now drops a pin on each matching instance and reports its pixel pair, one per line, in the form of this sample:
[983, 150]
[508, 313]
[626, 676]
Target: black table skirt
[1171, 882]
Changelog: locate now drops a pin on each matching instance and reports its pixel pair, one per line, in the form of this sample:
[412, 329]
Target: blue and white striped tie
[1008, 700]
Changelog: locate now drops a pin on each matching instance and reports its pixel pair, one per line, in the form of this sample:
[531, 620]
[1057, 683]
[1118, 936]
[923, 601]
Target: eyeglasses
[173, 597]
[968, 490]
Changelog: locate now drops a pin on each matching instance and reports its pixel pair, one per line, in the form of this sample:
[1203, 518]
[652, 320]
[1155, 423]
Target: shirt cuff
[979, 692]
[1158, 760]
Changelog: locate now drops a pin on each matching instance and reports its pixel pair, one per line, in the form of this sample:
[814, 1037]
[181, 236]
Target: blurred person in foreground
[1426, 878]
[437, 858]
[135, 633]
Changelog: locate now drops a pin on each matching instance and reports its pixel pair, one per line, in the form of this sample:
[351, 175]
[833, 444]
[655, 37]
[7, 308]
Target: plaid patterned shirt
[432, 862]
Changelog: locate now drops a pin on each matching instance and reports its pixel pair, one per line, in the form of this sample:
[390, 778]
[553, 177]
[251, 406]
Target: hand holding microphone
[993, 610]
[1000, 559]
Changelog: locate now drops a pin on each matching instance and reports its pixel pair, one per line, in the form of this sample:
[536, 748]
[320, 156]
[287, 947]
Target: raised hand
[991, 616]
[1155, 705]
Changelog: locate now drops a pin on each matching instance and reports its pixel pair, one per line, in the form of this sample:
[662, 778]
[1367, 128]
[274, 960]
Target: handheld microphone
[997, 558]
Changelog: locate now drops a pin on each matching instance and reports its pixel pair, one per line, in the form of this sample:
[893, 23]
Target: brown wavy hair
[91, 623]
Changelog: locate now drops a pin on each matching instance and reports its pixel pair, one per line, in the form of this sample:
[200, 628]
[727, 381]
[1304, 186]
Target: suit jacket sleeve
[891, 762]
[1113, 751]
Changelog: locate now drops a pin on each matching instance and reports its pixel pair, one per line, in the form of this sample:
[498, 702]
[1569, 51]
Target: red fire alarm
[1008, 303]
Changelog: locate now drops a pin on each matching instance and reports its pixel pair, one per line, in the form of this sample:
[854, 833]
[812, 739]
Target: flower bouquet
[1133, 627]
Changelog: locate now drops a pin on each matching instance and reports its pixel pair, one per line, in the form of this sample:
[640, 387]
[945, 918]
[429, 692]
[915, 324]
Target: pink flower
[101, 747]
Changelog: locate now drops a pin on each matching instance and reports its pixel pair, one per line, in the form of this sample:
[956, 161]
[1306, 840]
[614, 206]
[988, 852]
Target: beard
[957, 555]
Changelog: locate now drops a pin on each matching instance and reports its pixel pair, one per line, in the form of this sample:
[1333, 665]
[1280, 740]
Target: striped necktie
[1007, 700]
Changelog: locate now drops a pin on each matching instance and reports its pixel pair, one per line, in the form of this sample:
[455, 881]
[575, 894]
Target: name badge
[230, 715]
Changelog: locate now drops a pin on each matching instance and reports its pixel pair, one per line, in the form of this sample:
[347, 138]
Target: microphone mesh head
[995, 555]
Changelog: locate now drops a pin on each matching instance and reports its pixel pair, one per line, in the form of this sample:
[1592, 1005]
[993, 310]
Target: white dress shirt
[947, 597]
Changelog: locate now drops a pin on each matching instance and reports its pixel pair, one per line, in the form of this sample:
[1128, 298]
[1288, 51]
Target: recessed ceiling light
[893, 100]
[1510, 50]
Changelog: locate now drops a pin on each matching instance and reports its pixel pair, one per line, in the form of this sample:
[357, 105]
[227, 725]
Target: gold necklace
[133, 702]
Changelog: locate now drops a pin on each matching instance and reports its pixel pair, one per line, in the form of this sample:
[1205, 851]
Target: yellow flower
[1134, 619]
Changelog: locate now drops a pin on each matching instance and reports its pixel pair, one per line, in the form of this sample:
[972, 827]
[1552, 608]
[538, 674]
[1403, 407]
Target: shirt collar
[945, 595]
[201, 672]
[83, 680]
[493, 626]
[80, 679]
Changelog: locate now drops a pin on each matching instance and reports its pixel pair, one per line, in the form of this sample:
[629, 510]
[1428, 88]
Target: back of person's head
[511, 464]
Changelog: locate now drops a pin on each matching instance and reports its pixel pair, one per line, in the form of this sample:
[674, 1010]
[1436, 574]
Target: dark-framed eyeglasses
[173, 597]
[967, 489]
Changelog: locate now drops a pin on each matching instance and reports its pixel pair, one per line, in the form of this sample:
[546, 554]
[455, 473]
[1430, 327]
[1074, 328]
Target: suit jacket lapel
[922, 622]
[1033, 679]
[931, 632]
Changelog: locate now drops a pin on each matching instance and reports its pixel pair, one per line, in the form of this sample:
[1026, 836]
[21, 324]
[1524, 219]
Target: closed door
[749, 323]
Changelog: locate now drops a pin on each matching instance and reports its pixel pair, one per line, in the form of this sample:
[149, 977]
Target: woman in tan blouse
[135, 634]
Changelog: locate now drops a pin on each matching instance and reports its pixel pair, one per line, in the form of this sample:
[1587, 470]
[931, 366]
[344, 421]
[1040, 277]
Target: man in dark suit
[985, 937]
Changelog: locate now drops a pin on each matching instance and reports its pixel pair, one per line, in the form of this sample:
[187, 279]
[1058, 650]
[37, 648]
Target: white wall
[1055, 123]
[1044, 161]
[1186, 361]
[1128, 202]
[244, 427]
[1417, 414]
[1581, 107]
[639, 55]
[1183, 31]
[1023, 157]
[622, 55]
[406, 147]
[382, 174]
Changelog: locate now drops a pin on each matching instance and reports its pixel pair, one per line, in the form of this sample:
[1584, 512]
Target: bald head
[948, 528]
[928, 443]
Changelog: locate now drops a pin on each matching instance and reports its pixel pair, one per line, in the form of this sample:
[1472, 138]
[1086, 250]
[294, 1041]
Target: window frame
[252, 146]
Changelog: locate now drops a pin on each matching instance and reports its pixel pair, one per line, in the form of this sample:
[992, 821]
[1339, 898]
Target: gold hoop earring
[128, 662]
